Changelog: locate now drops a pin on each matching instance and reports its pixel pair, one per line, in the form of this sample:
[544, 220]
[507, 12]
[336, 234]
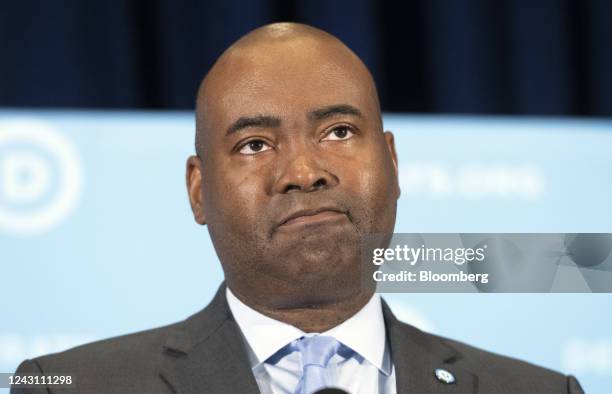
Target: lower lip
[319, 218]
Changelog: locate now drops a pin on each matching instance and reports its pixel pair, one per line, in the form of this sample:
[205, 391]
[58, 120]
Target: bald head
[273, 57]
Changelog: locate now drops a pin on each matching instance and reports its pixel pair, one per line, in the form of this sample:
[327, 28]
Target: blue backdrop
[97, 238]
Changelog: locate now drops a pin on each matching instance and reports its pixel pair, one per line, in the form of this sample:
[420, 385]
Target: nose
[305, 175]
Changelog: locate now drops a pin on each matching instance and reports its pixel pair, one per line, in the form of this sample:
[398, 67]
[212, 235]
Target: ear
[194, 188]
[391, 146]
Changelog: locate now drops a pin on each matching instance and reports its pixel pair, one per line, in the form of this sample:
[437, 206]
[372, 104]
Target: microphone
[330, 390]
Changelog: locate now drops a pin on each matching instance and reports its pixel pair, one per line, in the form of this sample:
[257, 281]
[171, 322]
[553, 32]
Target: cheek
[236, 218]
[373, 184]
[235, 198]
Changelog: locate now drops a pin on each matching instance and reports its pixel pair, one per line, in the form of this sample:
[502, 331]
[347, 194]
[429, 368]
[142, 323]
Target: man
[292, 170]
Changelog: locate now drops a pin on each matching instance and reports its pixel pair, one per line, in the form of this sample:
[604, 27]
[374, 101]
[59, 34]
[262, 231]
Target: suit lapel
[417, 355]
[205, 353]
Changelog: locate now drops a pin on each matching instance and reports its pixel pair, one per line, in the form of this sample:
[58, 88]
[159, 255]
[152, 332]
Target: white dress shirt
[362, 366]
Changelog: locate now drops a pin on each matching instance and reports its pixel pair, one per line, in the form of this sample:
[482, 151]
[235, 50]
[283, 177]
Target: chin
[322, 275]
[322, 255]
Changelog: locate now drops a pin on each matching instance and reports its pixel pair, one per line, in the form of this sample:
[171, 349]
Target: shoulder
[122, 349]
[130, 360]
[484, 370]
[498, 373]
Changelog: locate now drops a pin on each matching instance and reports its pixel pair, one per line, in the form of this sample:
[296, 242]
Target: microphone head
[330, 390]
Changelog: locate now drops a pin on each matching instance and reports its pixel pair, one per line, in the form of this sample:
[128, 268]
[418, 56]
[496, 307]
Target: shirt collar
[363, 332]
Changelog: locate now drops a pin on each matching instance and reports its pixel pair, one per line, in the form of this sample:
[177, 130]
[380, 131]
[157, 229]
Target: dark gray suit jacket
[205, 354]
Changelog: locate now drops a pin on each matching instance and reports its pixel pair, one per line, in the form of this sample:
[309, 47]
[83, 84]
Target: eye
[253, 147]
[339, 133]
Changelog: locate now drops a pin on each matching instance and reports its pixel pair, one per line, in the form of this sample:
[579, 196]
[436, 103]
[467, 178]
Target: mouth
[308, 217]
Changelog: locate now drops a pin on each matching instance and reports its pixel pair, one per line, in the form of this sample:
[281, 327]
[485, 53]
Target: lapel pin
[444, 376]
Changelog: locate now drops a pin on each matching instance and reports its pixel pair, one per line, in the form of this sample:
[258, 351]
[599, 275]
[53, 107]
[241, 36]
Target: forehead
[285, 80]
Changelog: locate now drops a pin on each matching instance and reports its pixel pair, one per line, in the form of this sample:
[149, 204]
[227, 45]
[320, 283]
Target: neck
[311, 318]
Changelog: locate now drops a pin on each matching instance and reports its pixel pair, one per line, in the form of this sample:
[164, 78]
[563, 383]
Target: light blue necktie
[315, 351]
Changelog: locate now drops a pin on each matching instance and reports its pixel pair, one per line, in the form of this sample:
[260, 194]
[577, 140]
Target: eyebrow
[333, 110]
[272, 121]
[253, 121]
